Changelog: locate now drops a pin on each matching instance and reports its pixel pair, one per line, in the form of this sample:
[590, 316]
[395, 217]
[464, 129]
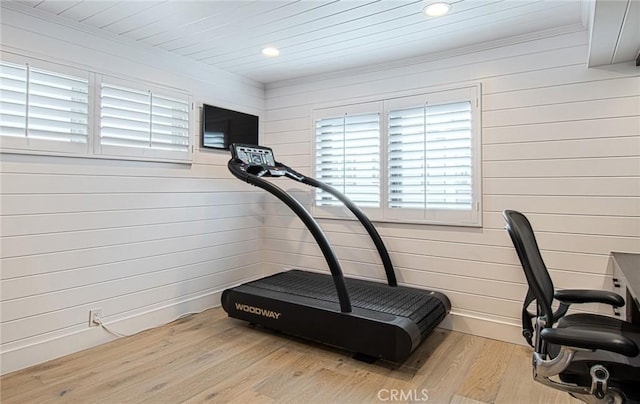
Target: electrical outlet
[95, 316]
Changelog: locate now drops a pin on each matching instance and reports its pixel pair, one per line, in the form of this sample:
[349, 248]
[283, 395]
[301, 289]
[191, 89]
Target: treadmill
[374, 320]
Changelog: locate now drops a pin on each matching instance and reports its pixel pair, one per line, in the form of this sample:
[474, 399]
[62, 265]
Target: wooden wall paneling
[194, 280]
[144, 241]
[560, 143]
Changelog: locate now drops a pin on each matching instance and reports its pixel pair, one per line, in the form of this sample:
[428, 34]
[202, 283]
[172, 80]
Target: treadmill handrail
[364, 220]
[310, 222]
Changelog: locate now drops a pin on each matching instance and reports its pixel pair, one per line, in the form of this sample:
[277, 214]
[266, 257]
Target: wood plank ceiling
[314, 36]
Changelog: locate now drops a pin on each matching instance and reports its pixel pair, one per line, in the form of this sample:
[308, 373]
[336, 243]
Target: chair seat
[624, 371]
[597, 320]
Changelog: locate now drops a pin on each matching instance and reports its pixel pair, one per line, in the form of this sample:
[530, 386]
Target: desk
[626, 281]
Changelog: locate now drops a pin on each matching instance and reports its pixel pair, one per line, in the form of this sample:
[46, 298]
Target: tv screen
[222, 127]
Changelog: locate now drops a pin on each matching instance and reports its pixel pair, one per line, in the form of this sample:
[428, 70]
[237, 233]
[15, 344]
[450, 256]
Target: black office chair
[595, 358]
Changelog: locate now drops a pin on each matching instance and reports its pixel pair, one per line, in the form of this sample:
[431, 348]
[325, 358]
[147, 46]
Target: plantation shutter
[348, 158]
[43, 107]
[169, 123]
[430, 157]
[58, 107]
[13, 103]
[143, 122]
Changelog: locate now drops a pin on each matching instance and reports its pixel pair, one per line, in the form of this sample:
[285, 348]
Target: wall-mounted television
[222, 127]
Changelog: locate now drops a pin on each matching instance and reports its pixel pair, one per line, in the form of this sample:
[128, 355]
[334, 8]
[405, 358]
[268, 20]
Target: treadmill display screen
[255, 155]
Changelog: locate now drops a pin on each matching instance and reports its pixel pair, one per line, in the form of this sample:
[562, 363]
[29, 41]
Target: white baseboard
[42, 351]
[484, 327]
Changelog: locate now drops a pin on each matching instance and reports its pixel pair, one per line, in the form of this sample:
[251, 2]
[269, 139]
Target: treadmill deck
[423, 307]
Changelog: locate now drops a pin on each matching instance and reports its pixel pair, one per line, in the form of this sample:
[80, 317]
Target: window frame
[447, 217]
[93, 148]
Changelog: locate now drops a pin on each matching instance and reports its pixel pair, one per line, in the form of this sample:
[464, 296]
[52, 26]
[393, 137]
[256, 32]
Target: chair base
[596, 392]
[613, 397]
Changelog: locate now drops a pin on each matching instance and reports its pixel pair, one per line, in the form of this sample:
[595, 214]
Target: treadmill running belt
[421, 306]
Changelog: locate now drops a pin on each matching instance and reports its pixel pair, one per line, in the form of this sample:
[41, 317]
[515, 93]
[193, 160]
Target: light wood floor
[210, 357]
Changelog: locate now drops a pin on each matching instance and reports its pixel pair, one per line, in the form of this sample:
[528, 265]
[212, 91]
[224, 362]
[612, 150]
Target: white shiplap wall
[145, 242]
[561, 143]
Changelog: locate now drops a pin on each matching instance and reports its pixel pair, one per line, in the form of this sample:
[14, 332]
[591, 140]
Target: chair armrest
[589, 296]
[587, 339]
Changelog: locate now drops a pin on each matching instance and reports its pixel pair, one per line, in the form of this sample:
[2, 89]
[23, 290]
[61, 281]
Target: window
[137, 122]
[43, 110]
[60, 110]
[431, 148]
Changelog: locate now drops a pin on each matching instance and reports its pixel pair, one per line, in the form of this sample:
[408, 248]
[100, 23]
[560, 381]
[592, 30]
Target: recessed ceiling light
[437, 9]
[270, 51]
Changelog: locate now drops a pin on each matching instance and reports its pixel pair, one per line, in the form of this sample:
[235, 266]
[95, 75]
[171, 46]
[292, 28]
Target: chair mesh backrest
[535, 270]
